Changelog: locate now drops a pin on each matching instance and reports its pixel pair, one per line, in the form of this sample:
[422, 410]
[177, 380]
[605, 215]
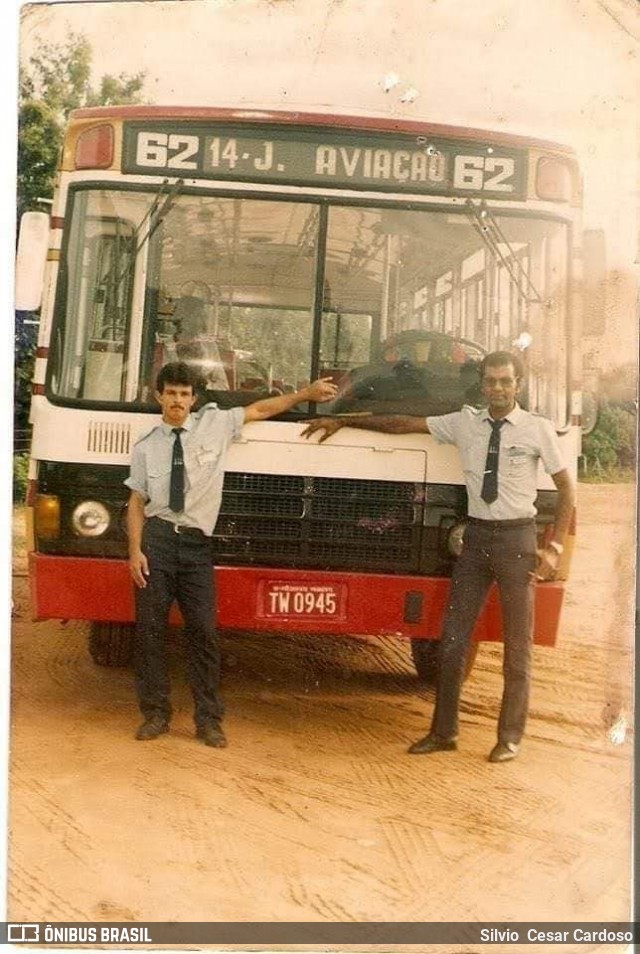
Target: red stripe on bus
[107, 594]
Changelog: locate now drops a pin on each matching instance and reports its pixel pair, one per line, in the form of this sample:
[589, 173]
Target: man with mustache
[500, 447]
[176, 477]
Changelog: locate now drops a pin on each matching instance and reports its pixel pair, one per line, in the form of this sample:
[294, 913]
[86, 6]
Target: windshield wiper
[154, 215]
[492, 235]
[157, 215]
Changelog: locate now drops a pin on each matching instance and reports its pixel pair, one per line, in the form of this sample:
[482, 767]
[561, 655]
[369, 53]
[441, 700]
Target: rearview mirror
[31, 258]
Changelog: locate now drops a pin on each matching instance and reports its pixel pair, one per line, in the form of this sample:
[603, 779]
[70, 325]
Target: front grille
[362, 512]
[320, 522]
[337, 489]
[263, 484]
[391, 559]
[243, 551]
[286, 521]
[263, 504]
[247, 528]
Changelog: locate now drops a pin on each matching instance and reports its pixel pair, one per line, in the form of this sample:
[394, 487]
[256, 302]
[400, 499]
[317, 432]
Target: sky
[565, 70]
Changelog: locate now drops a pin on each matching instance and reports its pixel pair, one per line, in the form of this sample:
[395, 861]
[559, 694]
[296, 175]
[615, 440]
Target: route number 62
[162, 151]
[483, 173]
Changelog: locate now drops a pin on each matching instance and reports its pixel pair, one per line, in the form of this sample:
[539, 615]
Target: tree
[611, 447]
[56, 80]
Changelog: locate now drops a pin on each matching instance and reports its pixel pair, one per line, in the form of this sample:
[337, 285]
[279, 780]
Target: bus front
[268, 250]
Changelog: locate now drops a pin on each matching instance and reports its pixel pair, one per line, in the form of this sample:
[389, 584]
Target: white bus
[269, 248]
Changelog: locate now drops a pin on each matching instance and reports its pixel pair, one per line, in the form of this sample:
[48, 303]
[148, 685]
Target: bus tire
[426, 658]
[111, 644]
[425, 655]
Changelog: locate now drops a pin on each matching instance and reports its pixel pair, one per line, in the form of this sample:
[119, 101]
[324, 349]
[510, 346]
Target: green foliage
[282, 339]
[25, 349]
[57, 80]
[117, 90]
[39, 138]
[20, 474]
[609, 452]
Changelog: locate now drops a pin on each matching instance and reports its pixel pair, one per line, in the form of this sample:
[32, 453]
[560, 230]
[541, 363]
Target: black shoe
[212, 734]
[432, 743]
[151, 728]
[504, 752]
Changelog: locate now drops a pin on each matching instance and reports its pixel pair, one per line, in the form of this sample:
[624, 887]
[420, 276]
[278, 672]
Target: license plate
[284, 600]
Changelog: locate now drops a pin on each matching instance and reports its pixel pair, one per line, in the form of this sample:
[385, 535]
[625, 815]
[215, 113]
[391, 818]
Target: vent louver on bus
[320, 522]
[109, 437]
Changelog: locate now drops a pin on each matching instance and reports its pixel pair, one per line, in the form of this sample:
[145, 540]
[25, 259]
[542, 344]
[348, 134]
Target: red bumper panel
[274, 600]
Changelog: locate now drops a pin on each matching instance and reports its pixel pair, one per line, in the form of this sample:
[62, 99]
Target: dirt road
[315, 812]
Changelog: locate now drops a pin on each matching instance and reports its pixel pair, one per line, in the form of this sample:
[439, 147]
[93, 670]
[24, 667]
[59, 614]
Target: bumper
[264, 598]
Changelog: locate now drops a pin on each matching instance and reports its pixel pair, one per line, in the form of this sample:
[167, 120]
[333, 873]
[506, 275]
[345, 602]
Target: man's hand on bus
[139, 568]
[329, 425]
[321, 390]
[383, 423]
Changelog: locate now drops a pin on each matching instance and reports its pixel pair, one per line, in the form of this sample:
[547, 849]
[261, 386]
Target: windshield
[260, 295]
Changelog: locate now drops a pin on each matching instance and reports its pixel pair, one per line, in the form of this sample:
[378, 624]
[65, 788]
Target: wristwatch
[558, 547]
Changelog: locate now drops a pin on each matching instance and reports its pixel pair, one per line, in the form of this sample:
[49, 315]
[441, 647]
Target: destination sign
[321, 158]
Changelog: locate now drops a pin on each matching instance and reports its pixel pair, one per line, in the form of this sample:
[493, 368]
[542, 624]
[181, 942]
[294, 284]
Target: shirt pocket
[204, 458]
[473, 455]
[518, 459]
[159, 478]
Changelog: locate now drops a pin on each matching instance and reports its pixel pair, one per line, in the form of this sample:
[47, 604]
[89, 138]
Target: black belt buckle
[180, 528]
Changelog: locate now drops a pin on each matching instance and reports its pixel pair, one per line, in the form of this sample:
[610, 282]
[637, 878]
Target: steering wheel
[196, 288]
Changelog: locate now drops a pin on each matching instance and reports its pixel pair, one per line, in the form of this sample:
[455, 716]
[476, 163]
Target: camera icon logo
[23, 933]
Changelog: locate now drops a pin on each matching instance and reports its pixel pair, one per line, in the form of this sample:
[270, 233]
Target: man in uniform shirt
[176, 478]
[499, 447]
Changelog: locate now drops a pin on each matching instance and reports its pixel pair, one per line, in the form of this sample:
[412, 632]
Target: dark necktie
[489, 491]
[176, 488]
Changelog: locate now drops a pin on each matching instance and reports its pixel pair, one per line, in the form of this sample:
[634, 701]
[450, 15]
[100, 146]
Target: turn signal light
[94, 148]
[46, 516]
[553, 180]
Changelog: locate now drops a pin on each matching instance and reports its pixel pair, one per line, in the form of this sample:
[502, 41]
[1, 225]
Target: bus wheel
[425, 658]
[425, 654]
[111, 644]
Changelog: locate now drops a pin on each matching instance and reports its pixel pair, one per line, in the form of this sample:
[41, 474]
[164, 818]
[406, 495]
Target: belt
[179, 528]
[501, 524]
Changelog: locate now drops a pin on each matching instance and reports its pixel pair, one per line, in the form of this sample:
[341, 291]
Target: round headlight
[90, 519]
[456, 538]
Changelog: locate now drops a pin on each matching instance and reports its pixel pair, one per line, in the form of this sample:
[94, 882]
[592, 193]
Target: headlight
[456, 538]
[90, 519]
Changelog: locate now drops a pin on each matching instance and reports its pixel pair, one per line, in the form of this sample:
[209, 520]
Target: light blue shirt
[525, 439]
[207, 435]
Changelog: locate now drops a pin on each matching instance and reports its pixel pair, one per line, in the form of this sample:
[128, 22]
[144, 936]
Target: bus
[268, 249]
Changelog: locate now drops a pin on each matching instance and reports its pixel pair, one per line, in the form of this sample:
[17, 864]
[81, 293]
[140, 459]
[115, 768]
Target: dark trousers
[506, 554]
[180, 568]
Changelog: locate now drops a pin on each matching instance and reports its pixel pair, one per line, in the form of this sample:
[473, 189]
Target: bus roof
[298, 118]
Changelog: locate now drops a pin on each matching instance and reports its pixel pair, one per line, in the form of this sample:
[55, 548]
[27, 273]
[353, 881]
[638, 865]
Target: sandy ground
[315, 812]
